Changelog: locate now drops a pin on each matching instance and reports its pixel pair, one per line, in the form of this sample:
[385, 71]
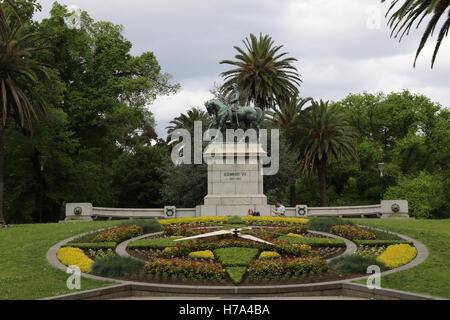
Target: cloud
[342, 46]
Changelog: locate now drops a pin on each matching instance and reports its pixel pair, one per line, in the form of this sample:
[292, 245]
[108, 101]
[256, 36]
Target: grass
[24, 271]
[157, 243]
[235, 256]
[236, 274]
[432, 277]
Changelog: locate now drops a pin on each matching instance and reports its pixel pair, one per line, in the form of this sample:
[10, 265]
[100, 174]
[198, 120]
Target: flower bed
[314, 242]
[194, 221]
[269, 255]
[183, 230]
[380, 242]
[75, 257]
[353, 232]
[189, 269]
[205, 254]
[277, 268]
[118, 234]
[397, 255]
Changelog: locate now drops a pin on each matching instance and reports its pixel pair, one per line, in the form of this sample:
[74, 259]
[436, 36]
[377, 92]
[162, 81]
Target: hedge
[158, 243]
[93, 246]
[314, 242]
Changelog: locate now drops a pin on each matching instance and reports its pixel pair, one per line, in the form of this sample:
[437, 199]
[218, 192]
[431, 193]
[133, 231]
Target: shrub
[117, 266]
[397, 255]
[236, 274]
[380, 242]
[425, 193]
[118, 234]
[185, 268]
[314, 242]
[324, 224]
[148, 225]
[205, 254]
[349, 264]
[75, 257]
[235, 256]
[93, 246]
[353, 232]
[269, 255]
[157, 243]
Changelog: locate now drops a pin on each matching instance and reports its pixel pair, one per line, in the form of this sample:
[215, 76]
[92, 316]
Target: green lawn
[432, 277]
[24, 270]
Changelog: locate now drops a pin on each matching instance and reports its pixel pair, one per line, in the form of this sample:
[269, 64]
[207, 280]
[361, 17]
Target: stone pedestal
[235, 180]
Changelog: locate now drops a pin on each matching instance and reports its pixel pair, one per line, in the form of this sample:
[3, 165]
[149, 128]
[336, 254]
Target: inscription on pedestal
[228, 176]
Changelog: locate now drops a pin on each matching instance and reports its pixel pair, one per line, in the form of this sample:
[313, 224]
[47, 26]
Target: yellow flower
[397, 255]
[193, 220]
[295, 235]
[206, 254]
[269, 255]
[284, 220]
[169, 249]
[75, 257]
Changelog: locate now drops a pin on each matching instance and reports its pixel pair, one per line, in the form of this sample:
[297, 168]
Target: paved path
[241, 298]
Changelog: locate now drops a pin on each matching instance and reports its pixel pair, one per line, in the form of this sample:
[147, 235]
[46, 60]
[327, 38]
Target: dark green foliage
[314, 242]
[138, 176]
[235, 256]
[236, 273]
[324, 224]
[148, 225]
[117, 266]
[354, 264]
[93, 246]
[381, 242]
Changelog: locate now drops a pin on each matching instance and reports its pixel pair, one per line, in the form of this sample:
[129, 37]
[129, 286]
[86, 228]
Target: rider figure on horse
[234, 100]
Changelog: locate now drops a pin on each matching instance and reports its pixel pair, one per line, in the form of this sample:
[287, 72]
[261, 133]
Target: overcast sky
[342, 46]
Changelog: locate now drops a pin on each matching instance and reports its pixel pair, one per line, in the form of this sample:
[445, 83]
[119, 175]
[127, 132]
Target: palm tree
[18, 74]
[186, 121]
[262, 73]
[284, 116]
[322, 133]
[410, 11]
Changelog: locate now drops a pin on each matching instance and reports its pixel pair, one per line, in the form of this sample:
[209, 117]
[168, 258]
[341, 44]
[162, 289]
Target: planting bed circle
[253, 253]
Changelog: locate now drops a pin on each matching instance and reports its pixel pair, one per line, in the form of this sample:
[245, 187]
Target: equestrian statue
[233, 116]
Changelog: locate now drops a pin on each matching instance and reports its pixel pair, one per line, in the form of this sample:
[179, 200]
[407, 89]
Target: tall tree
[403, 18]
[186, 120]
[322, 134]
[264, 75]
[18, 76]
[284, 117]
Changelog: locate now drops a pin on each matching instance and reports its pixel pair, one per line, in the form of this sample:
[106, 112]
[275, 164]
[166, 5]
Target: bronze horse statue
[244, 117]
